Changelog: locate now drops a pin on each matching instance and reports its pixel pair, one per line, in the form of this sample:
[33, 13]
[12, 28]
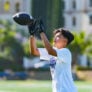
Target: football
[22, 18]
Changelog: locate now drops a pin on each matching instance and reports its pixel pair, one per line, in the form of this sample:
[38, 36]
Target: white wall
[67, 4]
[82, 17]
[80, 4]
[68, 21]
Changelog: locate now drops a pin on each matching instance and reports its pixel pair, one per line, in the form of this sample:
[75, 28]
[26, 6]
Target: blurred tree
[51, 13]
[89, 48]
[82, 44]
[11, 49]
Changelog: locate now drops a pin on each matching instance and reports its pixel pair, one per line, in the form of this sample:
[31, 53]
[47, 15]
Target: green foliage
[11, 49]
[26, 49]
[39, 44]
[81, 44]
[89, 47]
[83, 68]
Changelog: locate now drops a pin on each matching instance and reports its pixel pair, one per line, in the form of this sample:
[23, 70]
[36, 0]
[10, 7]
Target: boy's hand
[36, 26]
[32, 28]
[40, 26]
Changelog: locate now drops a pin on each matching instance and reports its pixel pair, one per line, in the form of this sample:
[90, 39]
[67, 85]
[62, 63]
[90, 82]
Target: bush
[84, 68]
[7, 64]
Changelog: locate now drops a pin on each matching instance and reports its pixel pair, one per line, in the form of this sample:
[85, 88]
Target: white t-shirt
[60, 68]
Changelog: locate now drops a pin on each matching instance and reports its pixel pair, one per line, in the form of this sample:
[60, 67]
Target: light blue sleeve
[63, 55]
[44, 54]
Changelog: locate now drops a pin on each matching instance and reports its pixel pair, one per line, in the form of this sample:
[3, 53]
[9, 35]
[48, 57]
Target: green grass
[38, 86]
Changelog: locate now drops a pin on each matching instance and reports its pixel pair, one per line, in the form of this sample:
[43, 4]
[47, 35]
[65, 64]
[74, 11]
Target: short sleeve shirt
[60, 68]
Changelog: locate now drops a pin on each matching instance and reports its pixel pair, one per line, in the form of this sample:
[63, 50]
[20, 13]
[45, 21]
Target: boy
[58, 55]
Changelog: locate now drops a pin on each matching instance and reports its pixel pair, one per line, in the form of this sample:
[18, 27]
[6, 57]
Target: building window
[74, 21]
[90, 19]
[90, 3]
[7, 6]
[17, 7]
[73, 4]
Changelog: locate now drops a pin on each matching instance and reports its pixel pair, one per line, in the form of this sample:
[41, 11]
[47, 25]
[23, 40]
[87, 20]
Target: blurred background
[16, 62]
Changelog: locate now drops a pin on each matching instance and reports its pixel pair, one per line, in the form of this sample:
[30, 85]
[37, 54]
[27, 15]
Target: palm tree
[81, 45]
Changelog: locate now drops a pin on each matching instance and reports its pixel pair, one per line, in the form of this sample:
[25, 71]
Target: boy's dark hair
[66, 33]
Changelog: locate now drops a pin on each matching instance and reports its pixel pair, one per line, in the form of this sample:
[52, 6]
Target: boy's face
[60, 41]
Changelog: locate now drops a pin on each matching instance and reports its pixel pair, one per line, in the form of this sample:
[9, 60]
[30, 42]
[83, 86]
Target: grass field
[38, 86]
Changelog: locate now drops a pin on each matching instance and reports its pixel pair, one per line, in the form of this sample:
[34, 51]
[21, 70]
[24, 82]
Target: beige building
[78, 15]
[10, 7]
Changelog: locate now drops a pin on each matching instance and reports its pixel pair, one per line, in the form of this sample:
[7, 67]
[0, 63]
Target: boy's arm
[33, 48]
[32, 40]
[47, 44]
